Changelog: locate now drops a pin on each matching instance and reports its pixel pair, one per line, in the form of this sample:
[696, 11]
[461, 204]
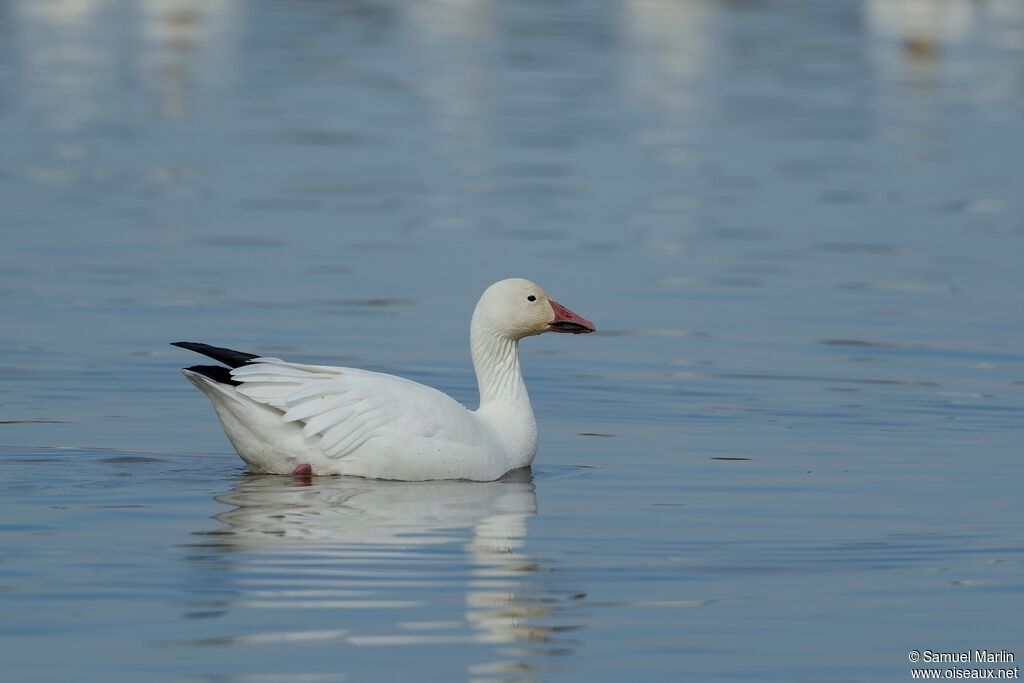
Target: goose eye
[531, 298]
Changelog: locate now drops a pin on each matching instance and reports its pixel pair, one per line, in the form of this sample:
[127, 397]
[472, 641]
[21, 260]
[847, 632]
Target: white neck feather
[504, 404]
[496, 361]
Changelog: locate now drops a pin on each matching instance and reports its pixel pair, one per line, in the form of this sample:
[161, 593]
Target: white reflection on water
[78, 54]
[669, 44]
[270, 510]
[349, 545]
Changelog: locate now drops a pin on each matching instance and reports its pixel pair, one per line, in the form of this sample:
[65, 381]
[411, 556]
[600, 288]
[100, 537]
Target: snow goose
[286, 417]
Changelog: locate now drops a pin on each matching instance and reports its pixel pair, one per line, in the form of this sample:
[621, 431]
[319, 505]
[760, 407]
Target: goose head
[517, 308]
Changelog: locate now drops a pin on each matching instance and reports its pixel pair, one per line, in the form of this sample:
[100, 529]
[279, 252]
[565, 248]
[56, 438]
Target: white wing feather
[347, 407]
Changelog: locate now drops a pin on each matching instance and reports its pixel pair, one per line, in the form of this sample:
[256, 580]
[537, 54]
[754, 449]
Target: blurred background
[798, 226]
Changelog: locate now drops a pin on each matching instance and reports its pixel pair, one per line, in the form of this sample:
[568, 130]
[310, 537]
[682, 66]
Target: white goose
[286, 417]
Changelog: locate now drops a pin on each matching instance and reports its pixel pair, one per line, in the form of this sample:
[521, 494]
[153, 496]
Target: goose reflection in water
[396, 548]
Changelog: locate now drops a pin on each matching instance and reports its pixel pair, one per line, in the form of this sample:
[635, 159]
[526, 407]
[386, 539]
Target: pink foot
[303, 470]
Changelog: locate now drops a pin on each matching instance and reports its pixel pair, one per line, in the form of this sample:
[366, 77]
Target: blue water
[791, 452]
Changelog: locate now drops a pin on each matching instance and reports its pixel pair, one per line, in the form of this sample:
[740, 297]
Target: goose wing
[347, 407]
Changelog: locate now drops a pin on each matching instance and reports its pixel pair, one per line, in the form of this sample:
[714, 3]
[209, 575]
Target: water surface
[790, 453]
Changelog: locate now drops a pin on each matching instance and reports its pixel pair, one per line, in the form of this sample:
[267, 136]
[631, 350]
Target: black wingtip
[218, 373]
[228, 357]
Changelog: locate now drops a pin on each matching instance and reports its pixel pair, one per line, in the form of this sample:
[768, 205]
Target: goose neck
[496, 361]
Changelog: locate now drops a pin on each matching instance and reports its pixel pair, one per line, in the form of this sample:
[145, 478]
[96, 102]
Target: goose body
[284, 417]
